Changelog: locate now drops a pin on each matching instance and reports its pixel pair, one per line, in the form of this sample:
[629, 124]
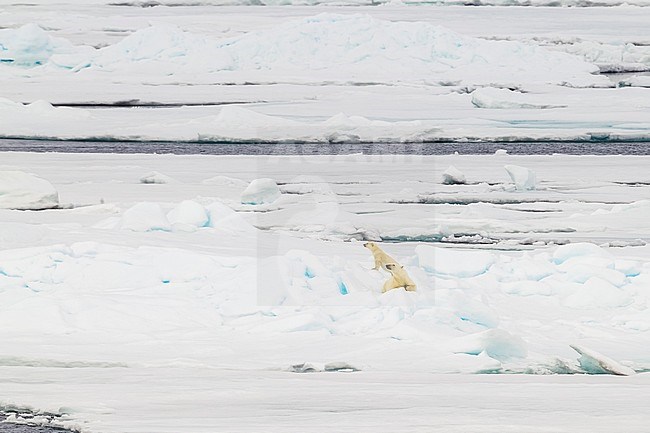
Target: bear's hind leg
[389, 285]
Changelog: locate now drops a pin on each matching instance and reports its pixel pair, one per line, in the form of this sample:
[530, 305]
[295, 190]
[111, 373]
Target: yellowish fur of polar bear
[399, 278]
[381, 258]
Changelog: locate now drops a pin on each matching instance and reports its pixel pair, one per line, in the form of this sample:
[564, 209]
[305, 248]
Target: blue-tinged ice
[261, 191]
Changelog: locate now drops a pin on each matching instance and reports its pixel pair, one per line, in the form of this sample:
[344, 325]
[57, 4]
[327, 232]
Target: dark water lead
[437, 148]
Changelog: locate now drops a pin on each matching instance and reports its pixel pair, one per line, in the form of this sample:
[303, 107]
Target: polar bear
[381, 258]
[399, 278]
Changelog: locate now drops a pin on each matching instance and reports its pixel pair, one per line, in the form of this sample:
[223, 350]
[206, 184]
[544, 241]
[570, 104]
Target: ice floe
[30, 45]
[523, 178]
[144, 217]
[453, 176]
[261, 191]
[595, 363]
[155, 177]
[20, 190]
[189, 214]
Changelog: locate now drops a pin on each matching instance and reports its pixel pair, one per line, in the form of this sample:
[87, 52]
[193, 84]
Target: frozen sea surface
[442, 148]
[156, 295]
[411, 73]
[209, 400]
[155, 298]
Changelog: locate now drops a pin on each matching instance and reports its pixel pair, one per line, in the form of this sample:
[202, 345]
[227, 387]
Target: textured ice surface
[180, 306]
[447, 261]
[490, 97]
[188, 213]
[261, 191]
[20, 190]
[453, 176]
[340, 3]
[595, 363]
[144, 217]
[30, 45]
[523, 178]
[155, 177]
[497, 344]
[138, 320]
[581, 249]
[332, 46]
[370, 89]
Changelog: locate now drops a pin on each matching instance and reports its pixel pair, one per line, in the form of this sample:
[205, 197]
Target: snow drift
[30, 45]
[490, 97]
[343, 48]
[19, 190]
[524, 178]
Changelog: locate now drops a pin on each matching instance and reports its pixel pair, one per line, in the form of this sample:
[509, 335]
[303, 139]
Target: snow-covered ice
[490, 97]
[188, 213]
[141, 295]
[30, 45]
[461, 264]
[155, 177]
[20, 190]
[145, 216]
[161, 293]
[261, 191]
[324, 47]
[324, 74]
[597, 363]
[453, 176]
[523, 178]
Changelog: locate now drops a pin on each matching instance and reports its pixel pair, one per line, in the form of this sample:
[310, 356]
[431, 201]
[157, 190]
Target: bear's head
[393, 266]
[370, 245]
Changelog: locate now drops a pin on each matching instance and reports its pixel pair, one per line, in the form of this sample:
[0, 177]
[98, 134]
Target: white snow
[142, 299]
[20, 190]
[489, 97]
[223, 217]
[188, 213]
[637, 81]
[328, 46]
[155, 177]
[145, 216]
[280, 63]
[523, 178]
[496, 344]
[453, 176]
[30, 45]
[339, 4]
[156, 287]
[261, 191]
[597, 291]
[566, 252]
[451, 262]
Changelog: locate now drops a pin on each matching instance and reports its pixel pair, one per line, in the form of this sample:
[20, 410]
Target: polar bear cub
[399, 278]
[381, 258]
